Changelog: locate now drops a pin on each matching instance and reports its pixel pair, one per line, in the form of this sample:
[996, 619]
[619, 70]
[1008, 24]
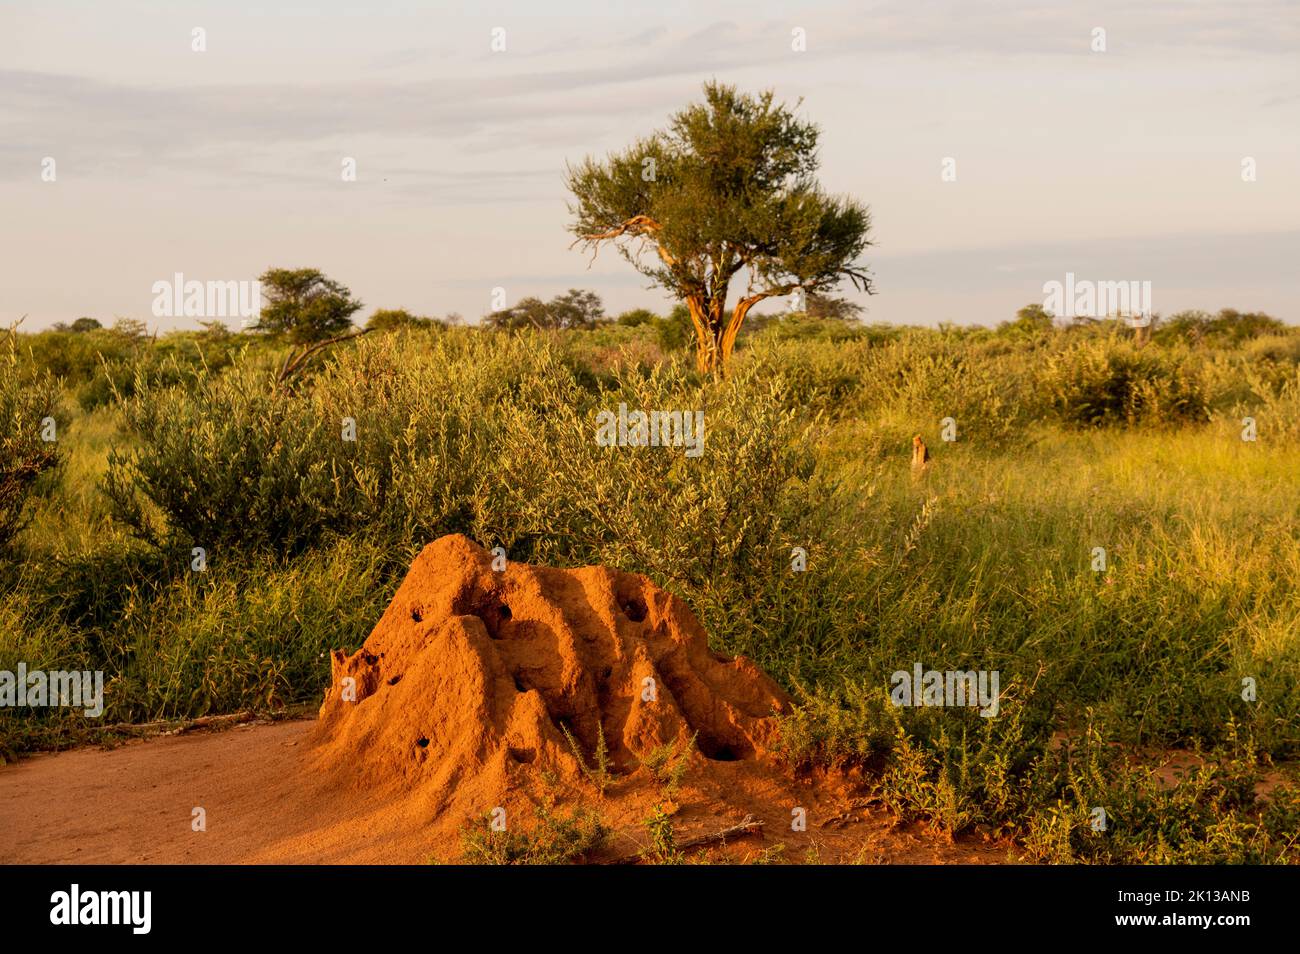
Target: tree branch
[749, 825]
[293, 364]
[633, 226]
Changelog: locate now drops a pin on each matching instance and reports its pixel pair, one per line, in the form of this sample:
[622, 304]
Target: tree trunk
[715, 337]
[703, 350]
[733, 328]
[709, 334]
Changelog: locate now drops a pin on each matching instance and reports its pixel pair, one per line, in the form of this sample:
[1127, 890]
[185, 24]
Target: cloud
[1181, 261]
[499, 103]
[113, 125]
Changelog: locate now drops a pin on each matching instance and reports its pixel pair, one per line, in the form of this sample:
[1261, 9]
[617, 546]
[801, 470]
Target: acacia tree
[304, 305]
[728, 188]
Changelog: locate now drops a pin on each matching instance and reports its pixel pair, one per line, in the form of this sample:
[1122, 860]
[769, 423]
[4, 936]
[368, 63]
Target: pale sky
[1116, 165]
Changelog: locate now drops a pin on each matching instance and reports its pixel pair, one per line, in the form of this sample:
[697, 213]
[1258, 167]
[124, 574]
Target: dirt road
[135, 804]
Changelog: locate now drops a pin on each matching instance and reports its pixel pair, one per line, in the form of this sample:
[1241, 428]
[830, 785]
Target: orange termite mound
[463, 691]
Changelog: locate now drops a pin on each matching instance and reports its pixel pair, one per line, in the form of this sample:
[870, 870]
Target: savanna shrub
[1108, 382]
[803, 327]
[1273, 399]
[238, 460]
[688, 522]
[905, 385]
[559, 494]
[817, 376]
[495, 436]
[24, 453]
[1273, 349]
[926, 377]
[99, 365]
[1229, 327]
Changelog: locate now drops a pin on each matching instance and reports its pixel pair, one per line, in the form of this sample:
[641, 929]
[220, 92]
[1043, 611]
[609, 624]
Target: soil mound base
[477, 682]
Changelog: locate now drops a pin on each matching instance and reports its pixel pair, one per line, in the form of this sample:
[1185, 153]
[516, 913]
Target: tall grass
[1066, 442]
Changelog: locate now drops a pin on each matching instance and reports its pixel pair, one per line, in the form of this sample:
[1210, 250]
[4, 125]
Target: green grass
[662, 848]
[669, 762]
[74, 517]
[983, 564]
[553, 838]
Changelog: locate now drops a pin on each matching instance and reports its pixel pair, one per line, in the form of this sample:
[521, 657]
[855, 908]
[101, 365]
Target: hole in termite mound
[716, 750]
[634, 608]
[491, 609]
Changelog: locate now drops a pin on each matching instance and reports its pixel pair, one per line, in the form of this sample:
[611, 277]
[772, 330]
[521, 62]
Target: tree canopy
[392, 319]
[304, 305]
[728, 188]
[574, 309]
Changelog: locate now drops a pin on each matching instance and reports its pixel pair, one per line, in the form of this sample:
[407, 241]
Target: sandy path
[133, 804]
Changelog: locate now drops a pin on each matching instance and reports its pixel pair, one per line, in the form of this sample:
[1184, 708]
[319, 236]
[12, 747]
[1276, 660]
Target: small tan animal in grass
[920, 457]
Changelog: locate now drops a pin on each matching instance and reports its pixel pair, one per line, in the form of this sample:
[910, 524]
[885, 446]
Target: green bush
[25, 454]
[915, 383]
[1273, 398]
[553, 839]
[493, 436]
[237, 460]
[98, 365]
[1228, 328]
[1108, 382]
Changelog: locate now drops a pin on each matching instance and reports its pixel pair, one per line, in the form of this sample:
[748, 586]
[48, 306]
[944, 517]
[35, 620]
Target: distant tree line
[305, 307]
